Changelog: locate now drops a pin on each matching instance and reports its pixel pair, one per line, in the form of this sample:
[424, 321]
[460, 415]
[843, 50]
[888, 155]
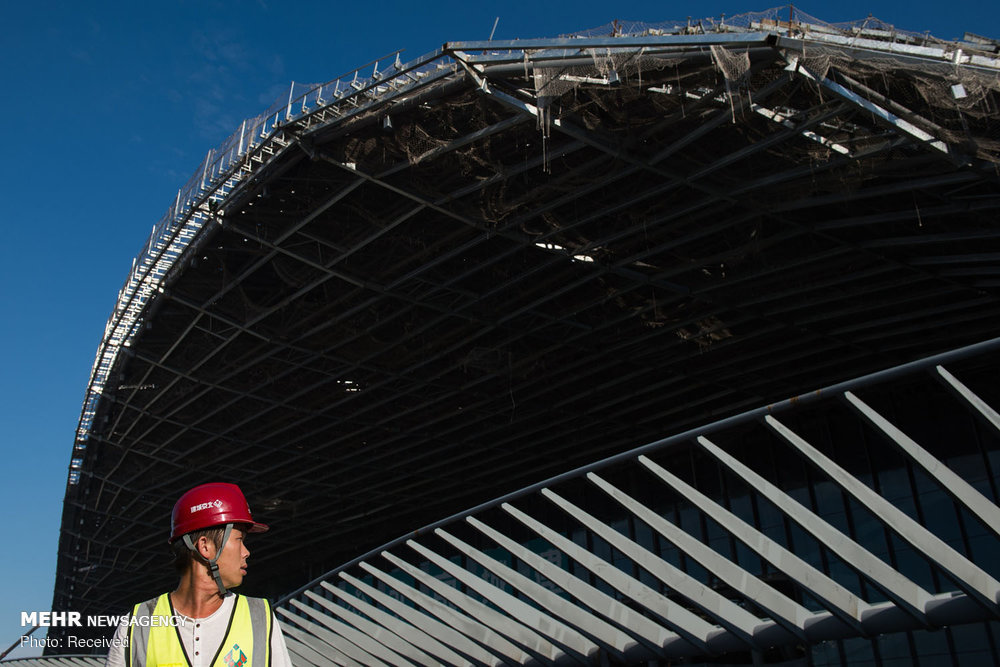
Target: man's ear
[205, 547]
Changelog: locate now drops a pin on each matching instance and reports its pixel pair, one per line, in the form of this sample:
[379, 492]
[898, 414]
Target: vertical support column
[288, 110]
[204, 172]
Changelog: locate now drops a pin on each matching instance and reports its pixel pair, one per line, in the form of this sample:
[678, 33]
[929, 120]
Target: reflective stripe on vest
[247, 641]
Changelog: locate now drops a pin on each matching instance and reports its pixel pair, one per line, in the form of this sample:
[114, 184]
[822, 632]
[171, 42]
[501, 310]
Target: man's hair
[184, 557]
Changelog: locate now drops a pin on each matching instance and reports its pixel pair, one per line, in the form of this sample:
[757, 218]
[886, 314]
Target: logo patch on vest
[236, 657]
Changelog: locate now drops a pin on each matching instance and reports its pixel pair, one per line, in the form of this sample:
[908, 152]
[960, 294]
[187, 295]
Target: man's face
[233, 561]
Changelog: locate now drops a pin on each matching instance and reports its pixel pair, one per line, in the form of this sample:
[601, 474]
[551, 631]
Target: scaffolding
[422, 285]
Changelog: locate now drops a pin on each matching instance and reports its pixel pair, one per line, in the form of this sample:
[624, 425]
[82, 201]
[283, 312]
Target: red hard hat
[209, 505]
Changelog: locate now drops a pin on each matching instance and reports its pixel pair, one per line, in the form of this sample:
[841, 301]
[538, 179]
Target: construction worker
[202, 623]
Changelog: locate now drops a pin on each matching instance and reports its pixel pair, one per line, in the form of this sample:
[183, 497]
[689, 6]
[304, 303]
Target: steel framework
[434, 597]
[400, 294]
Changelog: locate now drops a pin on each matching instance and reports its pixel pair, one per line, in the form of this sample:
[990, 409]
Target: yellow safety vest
[156, 643]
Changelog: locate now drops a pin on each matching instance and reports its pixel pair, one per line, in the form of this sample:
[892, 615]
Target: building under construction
[660, 344]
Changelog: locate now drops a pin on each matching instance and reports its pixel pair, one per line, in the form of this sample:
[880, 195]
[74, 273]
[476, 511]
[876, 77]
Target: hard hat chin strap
[213, 565]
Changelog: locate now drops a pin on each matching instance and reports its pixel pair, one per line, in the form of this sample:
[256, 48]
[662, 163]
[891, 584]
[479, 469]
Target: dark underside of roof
[454, 295]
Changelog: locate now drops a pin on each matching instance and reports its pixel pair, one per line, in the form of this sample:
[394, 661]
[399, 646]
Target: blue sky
[110, 107]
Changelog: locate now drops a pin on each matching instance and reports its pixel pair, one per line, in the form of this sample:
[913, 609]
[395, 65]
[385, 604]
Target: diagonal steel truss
[400, 294]
[433, 597]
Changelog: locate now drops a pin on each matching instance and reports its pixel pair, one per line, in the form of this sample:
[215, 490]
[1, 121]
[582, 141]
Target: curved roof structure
[421, 286]
[762, 533]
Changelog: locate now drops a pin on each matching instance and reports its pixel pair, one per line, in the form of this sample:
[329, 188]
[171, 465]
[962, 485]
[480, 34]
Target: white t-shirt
[202, 637]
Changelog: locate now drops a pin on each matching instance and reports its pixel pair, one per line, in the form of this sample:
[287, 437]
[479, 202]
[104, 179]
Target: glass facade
[919, 405]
